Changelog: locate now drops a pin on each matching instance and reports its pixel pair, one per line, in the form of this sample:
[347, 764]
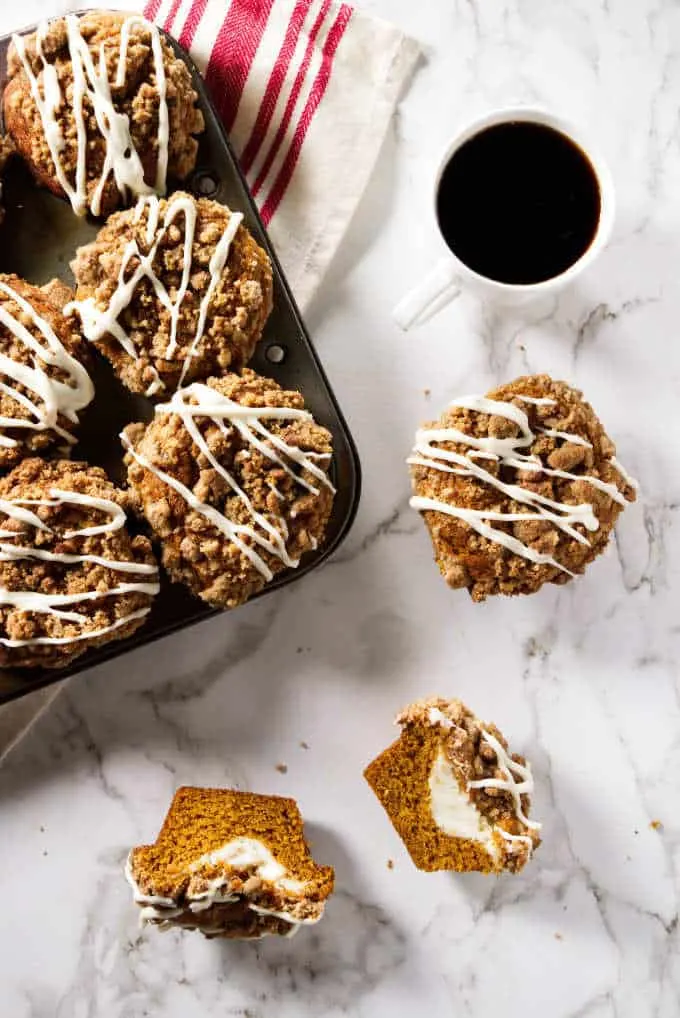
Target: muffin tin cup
[44, 236]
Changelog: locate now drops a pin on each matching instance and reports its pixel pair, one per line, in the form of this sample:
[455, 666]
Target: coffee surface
[519, 203]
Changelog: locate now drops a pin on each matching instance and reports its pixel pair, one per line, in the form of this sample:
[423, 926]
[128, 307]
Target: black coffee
[519, 203]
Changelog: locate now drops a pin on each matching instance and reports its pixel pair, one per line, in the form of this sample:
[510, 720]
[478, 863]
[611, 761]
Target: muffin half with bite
[455, 794]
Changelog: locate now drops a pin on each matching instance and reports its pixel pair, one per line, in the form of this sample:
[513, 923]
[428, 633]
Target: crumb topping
[43, 381]
[71, 575]
[234, 498]
[518, 488]
[165, 299]
[100, 107]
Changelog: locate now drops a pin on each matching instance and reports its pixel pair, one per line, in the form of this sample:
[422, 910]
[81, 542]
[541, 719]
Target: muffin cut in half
[72, 577]
[172, 292]
[455, 795]
[101, 109]
[230, 864]
[232, 477]
[44, 383]
[518, 488]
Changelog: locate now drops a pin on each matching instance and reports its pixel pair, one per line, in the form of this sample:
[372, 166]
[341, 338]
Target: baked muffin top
[173, 291]
[44, 383]
[72, 577]
[232, 477]
[518, 488]
[101, 109]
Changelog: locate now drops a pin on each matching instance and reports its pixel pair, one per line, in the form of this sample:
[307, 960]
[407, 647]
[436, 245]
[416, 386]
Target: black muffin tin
[38, 240]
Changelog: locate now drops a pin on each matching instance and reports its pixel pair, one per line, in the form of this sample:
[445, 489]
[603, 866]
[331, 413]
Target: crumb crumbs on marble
[304, 745]
[656, 825]
[282, 768]
[42, 829]
[427, 393]
[390, 864]
[558, 936]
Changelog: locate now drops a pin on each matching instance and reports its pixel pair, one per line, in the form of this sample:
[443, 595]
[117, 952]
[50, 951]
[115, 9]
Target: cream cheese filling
[453, 812]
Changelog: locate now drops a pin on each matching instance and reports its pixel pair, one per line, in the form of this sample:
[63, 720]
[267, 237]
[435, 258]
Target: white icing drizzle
[97, 323]
[517, 838]
[248, 421]
[510, 768]
[536, 400]
[92, 82]
[508, 452]
[437, 717]
[58, 605]
[624, 473]
[52, 396]
[567, 437]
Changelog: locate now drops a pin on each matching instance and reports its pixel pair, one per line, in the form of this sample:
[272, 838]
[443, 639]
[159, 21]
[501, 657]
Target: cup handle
[439, 287]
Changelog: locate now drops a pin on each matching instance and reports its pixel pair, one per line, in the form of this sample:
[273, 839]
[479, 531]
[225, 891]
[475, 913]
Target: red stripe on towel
[171, 15]
[233, 54]
[151, 9]
[292, 99]
[274, 85]
[316, 95]
[192, 22]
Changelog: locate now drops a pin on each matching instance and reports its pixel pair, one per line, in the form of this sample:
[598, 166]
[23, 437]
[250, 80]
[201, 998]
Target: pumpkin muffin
[232, 477]
[44, 383]
[230, 864]
[455, 795]
[101, 109]
[518, 488]
[172, 292]
[72, 577]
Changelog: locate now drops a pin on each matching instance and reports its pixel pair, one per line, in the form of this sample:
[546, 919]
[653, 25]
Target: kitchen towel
[306, 90]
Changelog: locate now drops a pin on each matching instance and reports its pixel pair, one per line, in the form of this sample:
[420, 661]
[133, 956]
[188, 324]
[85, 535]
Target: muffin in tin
[101, 109]
[518, 488]
[173, 291]
[232, 477]
[72, 576]
[44, 381]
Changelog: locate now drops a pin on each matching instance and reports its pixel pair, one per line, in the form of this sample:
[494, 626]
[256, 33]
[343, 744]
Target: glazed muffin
[456, 796]
[72, 577]
[44, 383]
[98, 133]
[518, 488]
[232, 477]
[173, 292]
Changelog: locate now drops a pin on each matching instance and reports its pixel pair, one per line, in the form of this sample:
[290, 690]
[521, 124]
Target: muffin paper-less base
[41, 235]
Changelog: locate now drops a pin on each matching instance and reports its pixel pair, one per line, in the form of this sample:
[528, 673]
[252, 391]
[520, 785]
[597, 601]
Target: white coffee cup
[449, 275]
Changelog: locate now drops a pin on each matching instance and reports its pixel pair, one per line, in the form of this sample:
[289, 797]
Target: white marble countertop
[583, 678]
